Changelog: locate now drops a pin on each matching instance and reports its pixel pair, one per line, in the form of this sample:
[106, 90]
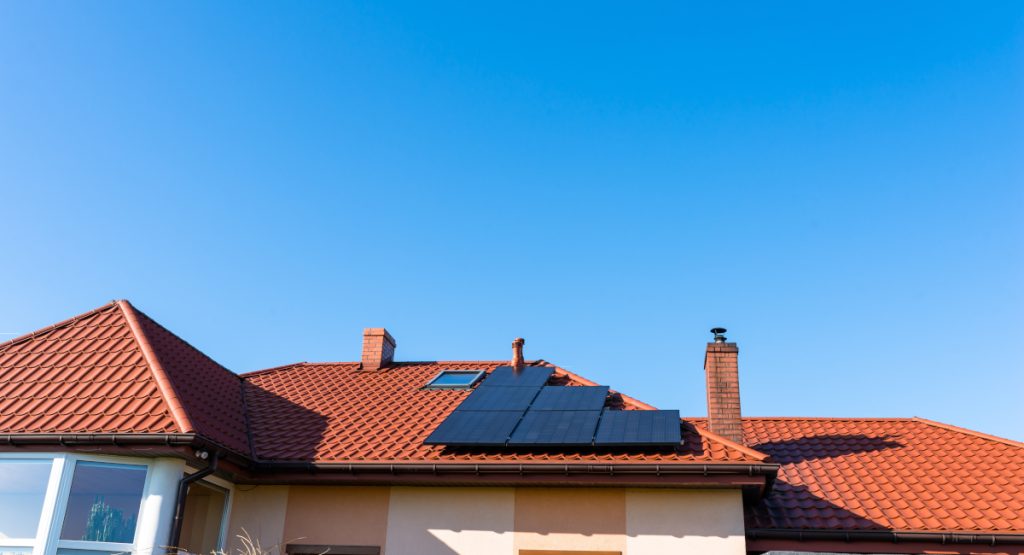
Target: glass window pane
[455, 379]
[104, 502]
[22, 488]
[66, 551]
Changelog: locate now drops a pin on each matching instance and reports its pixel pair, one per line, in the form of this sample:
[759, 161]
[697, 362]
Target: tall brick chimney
[721, 369]
[378, 348]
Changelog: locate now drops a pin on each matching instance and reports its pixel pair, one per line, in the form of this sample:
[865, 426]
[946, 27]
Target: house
[116, 435]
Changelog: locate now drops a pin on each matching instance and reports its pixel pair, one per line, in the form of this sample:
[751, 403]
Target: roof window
[455, 379]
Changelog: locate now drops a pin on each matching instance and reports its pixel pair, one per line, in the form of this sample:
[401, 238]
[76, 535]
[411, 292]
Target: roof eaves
[177, 410]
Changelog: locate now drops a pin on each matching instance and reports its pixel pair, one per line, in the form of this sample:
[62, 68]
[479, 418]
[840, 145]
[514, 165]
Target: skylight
[455, 379]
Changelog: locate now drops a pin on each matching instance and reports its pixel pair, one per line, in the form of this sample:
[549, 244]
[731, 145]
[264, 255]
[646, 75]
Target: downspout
[179, 502]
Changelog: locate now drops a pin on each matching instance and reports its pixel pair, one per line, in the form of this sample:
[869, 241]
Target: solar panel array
[517, 409]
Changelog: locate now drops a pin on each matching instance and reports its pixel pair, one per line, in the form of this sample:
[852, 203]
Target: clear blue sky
[841, 188]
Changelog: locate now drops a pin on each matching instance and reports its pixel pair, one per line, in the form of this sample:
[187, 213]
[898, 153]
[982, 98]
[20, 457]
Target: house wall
[258, 512]
[512, 521]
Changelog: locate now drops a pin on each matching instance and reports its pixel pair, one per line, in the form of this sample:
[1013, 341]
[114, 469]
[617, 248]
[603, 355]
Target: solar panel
[552, 427]
[571, 398]
[530, 376]
[638, 427]
[499, 398]
[475, 428]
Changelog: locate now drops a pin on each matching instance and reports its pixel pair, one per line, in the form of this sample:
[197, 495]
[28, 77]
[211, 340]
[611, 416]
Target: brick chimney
[721, 369]
[517, 353]
[378, 348]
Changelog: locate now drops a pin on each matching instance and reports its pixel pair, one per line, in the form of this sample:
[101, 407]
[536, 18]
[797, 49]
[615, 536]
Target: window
[455, 379]
[203, 519]
[71, 504]
[22, 492]
[104, 502]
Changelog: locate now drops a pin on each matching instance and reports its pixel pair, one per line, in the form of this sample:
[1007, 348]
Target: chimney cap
[719, 338]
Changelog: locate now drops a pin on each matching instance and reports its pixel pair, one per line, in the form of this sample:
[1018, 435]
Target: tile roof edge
[163, 382]
[584, 381]
[730, 443]
[33, 334]
[969, 432]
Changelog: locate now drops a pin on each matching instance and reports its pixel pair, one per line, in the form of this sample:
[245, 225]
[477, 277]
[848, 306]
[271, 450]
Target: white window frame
[47, 539]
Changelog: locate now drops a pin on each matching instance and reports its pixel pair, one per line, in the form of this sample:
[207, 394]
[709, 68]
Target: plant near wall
[108, 524]
[249, 546]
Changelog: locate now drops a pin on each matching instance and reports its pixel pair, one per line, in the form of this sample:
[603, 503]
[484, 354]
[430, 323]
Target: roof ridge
[967, 431]
[33, 334]
[288, 366]
[163, 382]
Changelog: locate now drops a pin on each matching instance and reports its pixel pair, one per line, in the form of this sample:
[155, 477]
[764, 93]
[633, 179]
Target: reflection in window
[104, 502]
[22, 488]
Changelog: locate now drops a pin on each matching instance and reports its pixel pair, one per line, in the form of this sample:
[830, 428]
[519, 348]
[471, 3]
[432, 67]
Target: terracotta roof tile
[881, 474]
[91, 374]
[333, 412]
[115, 370]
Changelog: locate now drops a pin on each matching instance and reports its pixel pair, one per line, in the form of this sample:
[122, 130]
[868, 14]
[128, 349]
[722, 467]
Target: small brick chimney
[517, 353]
[378, 348]
[721, 369]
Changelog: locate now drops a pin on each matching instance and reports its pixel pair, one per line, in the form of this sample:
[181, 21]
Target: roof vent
[719, 338]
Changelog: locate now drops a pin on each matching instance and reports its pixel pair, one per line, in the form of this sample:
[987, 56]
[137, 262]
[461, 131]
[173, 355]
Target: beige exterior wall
[259, 511]
[449, 521]
[327, 515]
[570, 519]
[498, 521]
[684, 521]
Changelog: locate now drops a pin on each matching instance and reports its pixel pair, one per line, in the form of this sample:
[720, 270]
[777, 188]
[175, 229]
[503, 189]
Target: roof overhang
[754, 479]
[881, 541]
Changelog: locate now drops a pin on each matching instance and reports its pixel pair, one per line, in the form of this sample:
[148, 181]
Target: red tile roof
[906, 474]
[333, 412]
[114, 370]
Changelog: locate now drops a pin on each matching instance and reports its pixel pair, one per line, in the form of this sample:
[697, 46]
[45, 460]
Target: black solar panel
[475, 428]
[571, 398]
[499, 398]
[638, 427]
[530, 376]
[551, 427]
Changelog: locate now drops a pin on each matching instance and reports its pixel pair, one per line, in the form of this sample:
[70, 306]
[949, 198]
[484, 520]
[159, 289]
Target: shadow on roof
[282, 430]
[807, 448]
[796, 507]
